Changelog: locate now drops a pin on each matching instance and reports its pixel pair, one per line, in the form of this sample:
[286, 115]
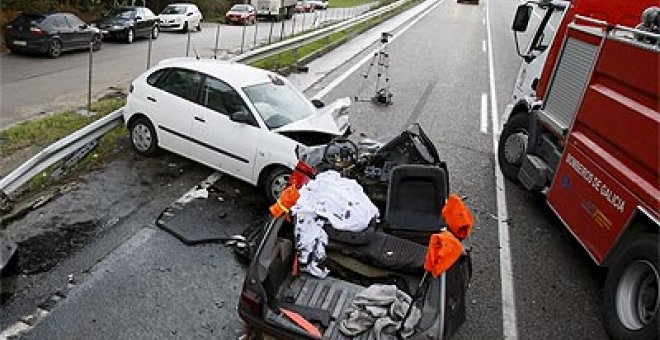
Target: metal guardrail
[312, 36]
[69, 144]
[58, 150]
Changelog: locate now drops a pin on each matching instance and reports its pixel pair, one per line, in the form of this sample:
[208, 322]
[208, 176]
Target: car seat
[416, 196]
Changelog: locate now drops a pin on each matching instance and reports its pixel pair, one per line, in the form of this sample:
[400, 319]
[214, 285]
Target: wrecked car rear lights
[302, 173]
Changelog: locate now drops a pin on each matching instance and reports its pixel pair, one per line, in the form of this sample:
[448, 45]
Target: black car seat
[416, 196]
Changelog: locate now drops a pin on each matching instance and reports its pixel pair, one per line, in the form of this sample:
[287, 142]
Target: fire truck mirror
[521, 20]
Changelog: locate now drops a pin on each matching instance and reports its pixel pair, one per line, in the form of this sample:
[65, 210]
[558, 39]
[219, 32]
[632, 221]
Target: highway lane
[439, 71]
[33, 85]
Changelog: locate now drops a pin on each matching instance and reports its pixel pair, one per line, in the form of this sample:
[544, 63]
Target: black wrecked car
[50, 34]
[127, 23]
[408, 182]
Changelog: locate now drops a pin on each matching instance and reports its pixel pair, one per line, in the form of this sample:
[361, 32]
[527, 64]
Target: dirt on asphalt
[92, 204]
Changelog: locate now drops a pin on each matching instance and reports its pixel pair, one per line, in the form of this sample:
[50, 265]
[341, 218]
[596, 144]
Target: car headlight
[92, 24]
[117, 27]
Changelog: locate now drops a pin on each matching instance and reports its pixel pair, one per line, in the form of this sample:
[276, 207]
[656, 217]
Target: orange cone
[444, 250]
[458, 216]
[287, 199]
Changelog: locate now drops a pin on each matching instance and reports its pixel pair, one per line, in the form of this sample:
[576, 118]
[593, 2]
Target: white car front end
[172, 21]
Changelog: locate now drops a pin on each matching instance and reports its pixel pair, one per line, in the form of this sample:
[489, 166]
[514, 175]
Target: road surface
[33, 85]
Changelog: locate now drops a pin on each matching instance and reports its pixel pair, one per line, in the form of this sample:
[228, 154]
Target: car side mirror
[138, 18]
[317, 103]
[240, 117]
[83, 26]
[521, 20]
[189, 14]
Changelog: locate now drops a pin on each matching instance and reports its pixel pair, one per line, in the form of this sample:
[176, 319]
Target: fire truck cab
[590, 143]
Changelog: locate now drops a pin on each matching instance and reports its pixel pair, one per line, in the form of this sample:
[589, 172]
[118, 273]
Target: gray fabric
[380, 307]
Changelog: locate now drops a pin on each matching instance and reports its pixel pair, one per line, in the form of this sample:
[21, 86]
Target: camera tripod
[383, 95]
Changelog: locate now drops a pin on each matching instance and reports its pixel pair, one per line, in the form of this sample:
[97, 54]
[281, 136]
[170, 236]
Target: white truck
[274, 9]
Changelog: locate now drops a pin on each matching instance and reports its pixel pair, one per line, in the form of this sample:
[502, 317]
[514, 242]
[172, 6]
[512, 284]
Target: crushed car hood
[331, 119]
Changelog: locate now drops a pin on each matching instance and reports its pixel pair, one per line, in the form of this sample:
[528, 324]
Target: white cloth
[311, 240]
[340, 200]
[328, 197]
[381, 307]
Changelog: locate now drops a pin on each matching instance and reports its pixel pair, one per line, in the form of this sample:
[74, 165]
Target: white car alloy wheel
[277, 181]
[279, 184]
[143, 137]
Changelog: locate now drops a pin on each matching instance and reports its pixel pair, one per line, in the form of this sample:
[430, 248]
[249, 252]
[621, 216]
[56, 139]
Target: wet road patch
[214, 212]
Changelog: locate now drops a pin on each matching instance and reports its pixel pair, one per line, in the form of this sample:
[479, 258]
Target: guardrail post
[295, 57]
[243, 35]
[89, 78]
[217, 39]
[282, 31]
[270, 35]
[256, 28]
[149, 51]
[188, 43]
[293, 25]
[303, 22]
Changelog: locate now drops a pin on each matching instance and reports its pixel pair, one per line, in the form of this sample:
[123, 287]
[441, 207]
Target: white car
[181, 17]
[319, 4]
[235, 118]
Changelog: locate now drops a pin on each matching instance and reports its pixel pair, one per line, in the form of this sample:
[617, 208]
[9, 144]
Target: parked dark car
[129, 22]
[50, 33]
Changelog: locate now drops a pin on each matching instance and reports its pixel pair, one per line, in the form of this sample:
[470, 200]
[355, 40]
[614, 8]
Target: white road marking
[368, 57]
[484, 113]
[506, 273]
[483, 45]
[14, 330]
[199, 191]
[483, 21]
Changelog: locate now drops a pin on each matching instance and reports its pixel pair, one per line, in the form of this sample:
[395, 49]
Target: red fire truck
[589, 140]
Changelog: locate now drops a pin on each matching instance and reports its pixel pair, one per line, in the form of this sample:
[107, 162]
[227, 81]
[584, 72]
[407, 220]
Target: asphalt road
[439, 71]
[34, 85]
[153, 286]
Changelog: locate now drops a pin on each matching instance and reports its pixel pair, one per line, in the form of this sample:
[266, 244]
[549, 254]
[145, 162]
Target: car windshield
[240, 8]
[121, 13]
[278, 104]
[174, 10]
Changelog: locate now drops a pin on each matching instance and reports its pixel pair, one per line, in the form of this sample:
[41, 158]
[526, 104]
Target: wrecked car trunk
[408, 182]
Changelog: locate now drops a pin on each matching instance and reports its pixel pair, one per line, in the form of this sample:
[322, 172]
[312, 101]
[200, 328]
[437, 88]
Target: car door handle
[199, 119]
[152, 99]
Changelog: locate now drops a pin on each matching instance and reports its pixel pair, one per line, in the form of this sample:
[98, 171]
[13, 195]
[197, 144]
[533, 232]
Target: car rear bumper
[236, 20]
[27, 45]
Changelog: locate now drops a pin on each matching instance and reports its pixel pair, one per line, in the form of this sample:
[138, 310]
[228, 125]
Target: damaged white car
[238, 119]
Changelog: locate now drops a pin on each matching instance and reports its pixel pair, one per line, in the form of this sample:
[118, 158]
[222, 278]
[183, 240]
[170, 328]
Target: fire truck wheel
[631, 298]
[512, 146]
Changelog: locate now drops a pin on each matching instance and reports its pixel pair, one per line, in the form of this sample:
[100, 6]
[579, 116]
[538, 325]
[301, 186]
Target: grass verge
[39, 133]
[347, 3]
[287, 59]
